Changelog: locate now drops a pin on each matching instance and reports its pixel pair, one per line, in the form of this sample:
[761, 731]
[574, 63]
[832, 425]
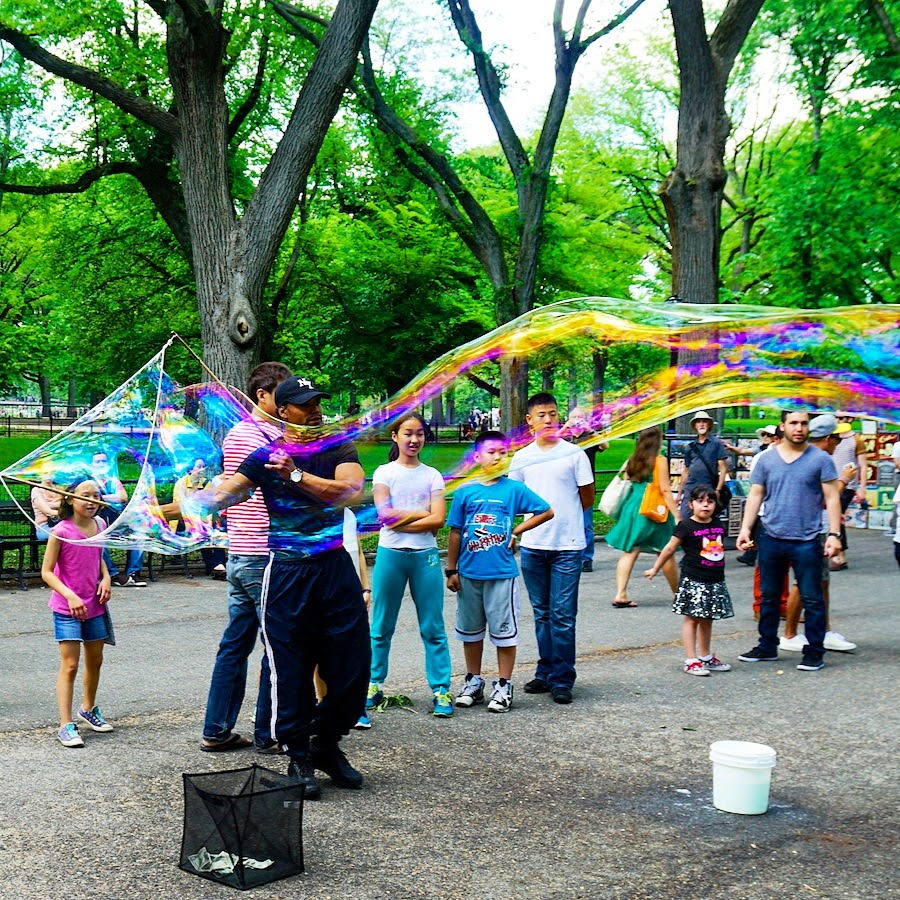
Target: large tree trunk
[437, 409]
[692, 193]
[44, 388]
[513, 392]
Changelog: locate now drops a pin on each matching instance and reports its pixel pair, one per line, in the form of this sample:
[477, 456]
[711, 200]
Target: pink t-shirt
[78, 567]
[248, 522]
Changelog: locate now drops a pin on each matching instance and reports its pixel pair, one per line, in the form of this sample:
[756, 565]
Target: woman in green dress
[634, 534]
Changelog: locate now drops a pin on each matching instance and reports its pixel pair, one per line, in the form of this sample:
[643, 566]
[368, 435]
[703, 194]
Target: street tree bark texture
[185, 169]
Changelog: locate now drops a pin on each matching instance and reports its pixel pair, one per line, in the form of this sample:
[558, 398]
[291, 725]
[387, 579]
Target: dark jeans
[551, 577]
[847, 495]
[132, 566]
[313, 614]
[776, 557]
[587, 555]
[229, 677]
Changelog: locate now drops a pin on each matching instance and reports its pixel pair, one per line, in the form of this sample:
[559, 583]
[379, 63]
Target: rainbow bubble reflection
[153, 430]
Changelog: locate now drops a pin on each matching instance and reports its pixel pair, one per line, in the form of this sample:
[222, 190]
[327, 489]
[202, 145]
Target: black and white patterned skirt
[702, 601]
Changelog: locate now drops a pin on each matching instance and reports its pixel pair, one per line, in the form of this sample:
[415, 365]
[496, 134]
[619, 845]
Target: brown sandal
[232, 742]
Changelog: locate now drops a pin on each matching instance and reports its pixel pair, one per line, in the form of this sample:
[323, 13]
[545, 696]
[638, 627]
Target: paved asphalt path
[608, 797]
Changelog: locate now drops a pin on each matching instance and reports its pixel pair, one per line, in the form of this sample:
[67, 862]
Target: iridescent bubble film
[153, 431]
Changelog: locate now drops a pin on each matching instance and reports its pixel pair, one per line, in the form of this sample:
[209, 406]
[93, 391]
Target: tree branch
[158, 6]
[140, 108]
[484, 385]
[483, 240]
[611, 25]
[255, 93]
[84, 181]
[295, 16]
[880, 13]
[489, 83]
[732, 31]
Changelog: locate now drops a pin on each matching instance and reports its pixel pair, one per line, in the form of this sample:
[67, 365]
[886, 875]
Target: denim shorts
[68, 628]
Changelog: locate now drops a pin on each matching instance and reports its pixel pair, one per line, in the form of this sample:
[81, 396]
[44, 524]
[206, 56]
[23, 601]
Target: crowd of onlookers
[292, 581]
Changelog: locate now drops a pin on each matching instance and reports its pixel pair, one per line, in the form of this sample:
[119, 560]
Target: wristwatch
[297, 476]
[836, 534]
[449, 572]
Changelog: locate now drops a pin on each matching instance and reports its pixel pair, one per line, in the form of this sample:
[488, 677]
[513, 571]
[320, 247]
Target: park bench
[17, 538]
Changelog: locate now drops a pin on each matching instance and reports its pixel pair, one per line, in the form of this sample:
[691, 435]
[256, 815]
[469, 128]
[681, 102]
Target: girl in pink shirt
[81, 587]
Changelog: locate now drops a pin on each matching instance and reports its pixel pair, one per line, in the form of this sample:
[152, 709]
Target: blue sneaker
[69, 737]
[363, 723]
[375, 695]
[95, 719]
[443, 704]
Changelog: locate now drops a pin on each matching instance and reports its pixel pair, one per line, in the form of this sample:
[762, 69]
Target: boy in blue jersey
[482, 569]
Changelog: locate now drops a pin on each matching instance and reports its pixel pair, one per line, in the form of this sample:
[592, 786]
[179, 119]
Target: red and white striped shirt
[248, 522]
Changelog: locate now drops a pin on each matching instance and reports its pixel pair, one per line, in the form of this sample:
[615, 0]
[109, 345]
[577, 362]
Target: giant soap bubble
[154, 430]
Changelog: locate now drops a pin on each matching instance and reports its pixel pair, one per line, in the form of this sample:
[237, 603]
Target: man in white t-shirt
[561, 474]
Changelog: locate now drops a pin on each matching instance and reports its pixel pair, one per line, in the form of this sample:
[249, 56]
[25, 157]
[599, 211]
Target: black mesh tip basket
[242, 827]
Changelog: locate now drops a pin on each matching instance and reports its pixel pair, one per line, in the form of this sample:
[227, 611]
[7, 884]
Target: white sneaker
[796, 643]
[501, 698]
[835, 641]
[695, 668]
[472, 692]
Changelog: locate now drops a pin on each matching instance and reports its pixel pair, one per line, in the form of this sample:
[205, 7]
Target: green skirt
[636, 532]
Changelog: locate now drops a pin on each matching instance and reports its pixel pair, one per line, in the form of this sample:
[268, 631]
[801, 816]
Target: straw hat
[701, 414]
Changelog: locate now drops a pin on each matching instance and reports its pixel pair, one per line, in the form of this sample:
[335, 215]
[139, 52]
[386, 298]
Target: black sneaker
[301, 770]
[331, 760]
[561, 694]
[810, 664]
[587, 566]
[537, 686]
[746, 560]
[757, 655]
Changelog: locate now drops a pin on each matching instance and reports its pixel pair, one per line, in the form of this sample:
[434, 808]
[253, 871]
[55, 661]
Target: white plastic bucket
[742, 772]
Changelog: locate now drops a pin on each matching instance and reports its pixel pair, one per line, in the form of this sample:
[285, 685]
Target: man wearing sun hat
[704, 461]
[851, 449]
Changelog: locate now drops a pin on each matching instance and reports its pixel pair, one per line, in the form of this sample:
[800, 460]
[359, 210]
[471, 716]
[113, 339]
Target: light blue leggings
[421, 569]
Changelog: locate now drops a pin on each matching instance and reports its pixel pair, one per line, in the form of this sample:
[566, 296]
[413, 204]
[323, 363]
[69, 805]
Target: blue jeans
[551, 577]
[421, 569]
[132, 566]
[229, 677]
[776, 557]
[587, 555]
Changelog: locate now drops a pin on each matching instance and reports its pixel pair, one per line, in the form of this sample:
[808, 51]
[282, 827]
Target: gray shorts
[488, 605]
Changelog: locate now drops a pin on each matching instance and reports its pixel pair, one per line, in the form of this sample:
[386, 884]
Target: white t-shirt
[409, 489]
[351, 537]
[555, 475]
[895, 453]
[897, 507]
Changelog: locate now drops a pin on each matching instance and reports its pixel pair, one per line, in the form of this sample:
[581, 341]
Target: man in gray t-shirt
[793, 479]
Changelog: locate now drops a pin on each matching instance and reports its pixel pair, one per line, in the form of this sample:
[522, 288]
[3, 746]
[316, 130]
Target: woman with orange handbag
[644, 527]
